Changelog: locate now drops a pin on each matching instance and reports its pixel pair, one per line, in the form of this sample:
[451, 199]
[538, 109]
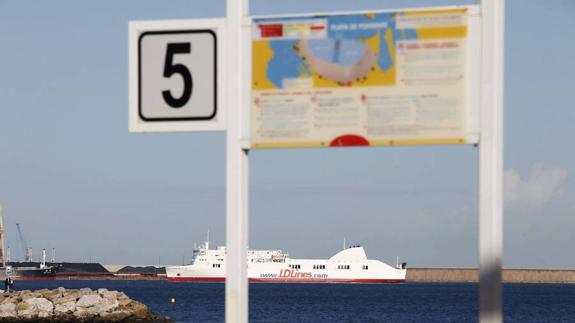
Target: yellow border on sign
[292, 144]
[409, 142]
[373, 143]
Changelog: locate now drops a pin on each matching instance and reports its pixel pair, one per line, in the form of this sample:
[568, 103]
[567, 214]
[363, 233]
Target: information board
[389, 78]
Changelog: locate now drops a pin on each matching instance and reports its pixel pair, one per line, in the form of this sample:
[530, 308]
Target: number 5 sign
[175, 69]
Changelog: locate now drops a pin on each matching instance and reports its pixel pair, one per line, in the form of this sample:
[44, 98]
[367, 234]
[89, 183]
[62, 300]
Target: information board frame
[473, 85]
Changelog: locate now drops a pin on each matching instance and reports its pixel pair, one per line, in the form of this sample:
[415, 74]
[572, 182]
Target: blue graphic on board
[340, 47]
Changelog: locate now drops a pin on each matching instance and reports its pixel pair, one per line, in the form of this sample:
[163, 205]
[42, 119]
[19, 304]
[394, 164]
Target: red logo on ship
[290, 273]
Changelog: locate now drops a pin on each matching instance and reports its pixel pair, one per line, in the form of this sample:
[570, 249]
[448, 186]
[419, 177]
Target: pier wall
[471, 275]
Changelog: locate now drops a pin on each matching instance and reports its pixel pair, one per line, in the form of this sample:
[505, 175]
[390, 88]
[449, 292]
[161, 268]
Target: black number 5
[171, 69]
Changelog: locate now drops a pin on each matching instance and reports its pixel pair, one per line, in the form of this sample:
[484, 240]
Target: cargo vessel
[350, 265]
[28, 273]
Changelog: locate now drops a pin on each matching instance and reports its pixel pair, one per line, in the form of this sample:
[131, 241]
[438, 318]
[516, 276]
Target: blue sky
[77, 181]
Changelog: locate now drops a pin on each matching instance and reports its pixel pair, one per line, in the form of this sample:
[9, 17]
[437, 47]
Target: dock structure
[471, 275]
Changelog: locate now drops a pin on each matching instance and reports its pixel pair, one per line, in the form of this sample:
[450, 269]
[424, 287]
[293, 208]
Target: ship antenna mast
[208, 241]
[343, 243]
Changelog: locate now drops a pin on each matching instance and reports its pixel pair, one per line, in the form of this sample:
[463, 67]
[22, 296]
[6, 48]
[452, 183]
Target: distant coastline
[471, 275]
[414, 275]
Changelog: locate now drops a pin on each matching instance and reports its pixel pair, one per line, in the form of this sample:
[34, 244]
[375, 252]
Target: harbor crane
[27, 250]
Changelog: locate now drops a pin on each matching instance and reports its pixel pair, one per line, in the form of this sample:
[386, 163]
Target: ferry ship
[350, 265]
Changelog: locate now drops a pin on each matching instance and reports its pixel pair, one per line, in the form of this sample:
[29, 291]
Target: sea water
[409, 302]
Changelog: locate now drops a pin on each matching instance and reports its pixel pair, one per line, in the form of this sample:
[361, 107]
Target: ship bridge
[266, 256]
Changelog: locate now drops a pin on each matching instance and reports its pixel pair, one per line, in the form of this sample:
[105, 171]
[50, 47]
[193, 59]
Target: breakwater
[73, 305]
[471, 275]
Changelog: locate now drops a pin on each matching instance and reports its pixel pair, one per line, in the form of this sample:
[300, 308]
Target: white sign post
[491, 162]
[237, 163]
[175, 74]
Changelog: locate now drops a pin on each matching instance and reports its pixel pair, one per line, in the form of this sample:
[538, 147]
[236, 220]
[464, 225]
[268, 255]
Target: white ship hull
[348, 266]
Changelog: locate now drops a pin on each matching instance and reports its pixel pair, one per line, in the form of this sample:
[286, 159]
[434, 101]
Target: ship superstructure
[350, 265]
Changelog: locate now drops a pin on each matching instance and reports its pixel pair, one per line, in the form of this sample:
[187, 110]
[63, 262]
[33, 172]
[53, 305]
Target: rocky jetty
[73, 305]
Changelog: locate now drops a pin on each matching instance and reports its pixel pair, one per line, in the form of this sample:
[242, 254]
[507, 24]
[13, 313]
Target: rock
[124, 302]
[82, 312]
[122, 296]
[37, 307]
[88, 300]
[140, 310]
[8, 310]
[22, 307]
[110, 294]
[119, 315]
[85, 291]
[41, 304]
[106, 305]
[64, 299]
[9, 300]
[65, 308]
[72, 293]
[51, 294]
[24, 296]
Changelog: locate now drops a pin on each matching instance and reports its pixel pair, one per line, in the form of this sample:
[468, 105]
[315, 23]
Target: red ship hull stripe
[287, 280]
[34, 278]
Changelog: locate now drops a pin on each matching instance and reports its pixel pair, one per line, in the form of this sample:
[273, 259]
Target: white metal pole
[236, 170]
[491, 162]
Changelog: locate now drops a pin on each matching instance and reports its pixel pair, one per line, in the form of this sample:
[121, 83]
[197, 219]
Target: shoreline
[414, 275]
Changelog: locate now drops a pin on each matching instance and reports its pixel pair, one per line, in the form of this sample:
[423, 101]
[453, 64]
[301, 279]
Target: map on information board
[364, 79]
